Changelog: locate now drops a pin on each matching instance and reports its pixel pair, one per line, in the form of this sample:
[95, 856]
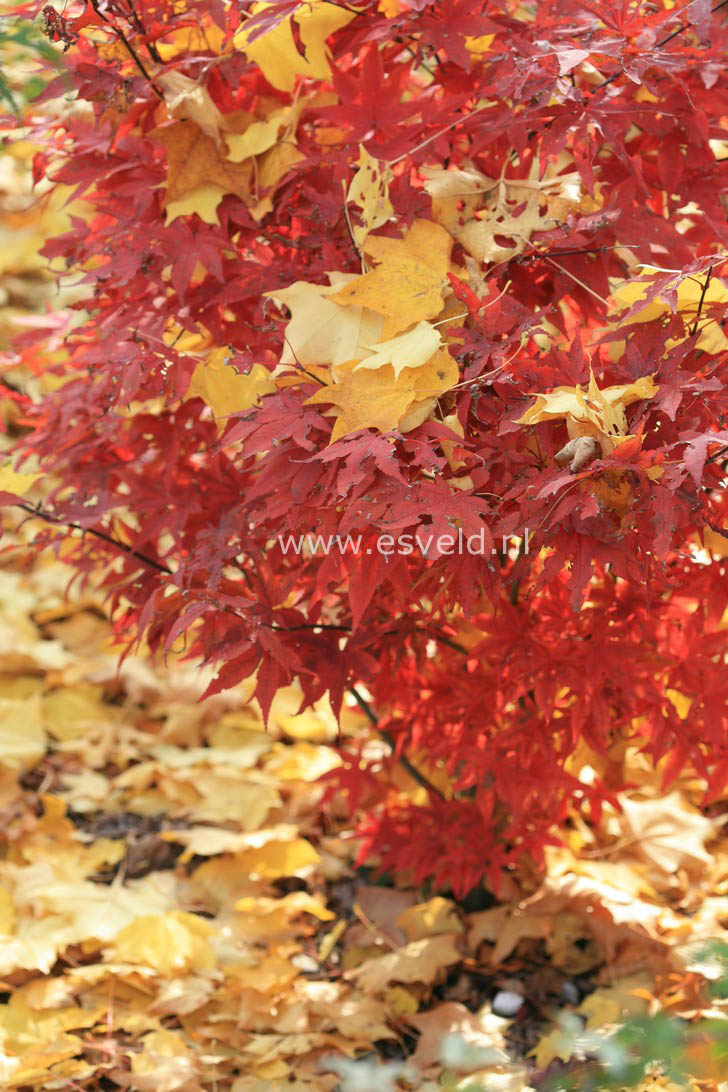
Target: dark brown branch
[403, 760]
[658, 45]
[41, 513]
[700, 302]
[129, 48]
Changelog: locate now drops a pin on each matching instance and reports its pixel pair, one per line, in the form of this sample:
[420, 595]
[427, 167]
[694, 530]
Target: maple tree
[405, 268]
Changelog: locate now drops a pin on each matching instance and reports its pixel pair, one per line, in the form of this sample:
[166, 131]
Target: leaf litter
[179, 912]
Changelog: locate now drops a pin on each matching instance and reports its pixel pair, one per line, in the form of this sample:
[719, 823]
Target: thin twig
[350, 229]
[403, 760]
[129, 48]
[702, 298]
[576, 279]
[439, 132]
[658, 45]
[49, 517]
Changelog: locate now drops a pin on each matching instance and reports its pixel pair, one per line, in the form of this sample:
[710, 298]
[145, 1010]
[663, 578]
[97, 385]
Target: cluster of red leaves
[577, 641]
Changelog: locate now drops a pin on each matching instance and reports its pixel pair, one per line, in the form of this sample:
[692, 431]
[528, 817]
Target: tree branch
[41, 513]
[658, 45]
[403, 760]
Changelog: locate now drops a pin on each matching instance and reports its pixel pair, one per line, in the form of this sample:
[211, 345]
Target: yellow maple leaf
[380, 400]
[224, 389]
[202, 200]
[369, 189]
[22, 733]
[410, 280]
[199, 170]
[419, 961]
[202, 36]
[594, 412]
[321, 331]
[13, 482]
[186, 98]
[194, 160]
[478, 210]
[715, 542]
[275, 51]
[269, 170]
[168, 943]
[667, 832]
[428, 919]
[409, 350]
[261, 135]
[480, 44]
[692, 294]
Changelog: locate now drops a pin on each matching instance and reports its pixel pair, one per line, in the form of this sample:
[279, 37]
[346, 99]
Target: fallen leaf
[428, 919]
[693, 302]
[668, 833]
[477, 210]
[594, 412]
[479, 1033]
[321, 331]
[409, 350]
[420, 961]
[170, 944]
[194, 160]
[14, 483]
[260, 136]
[22, 734]
[186, 98]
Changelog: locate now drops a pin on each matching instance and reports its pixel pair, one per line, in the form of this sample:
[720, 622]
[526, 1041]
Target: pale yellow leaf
[187, 98]
[262, 135]
[170, 944]
[321, 331]
[369, 189]
[690, 292]
[494, 218]
[409, 350]
[13, 482]
[668, 833]
[594, 412]
[431, 918]
[22, 735]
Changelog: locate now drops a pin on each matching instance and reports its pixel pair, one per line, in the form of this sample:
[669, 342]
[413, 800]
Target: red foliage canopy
[586, 246]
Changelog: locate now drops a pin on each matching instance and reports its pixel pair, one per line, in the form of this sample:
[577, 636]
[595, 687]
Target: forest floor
[177, 911]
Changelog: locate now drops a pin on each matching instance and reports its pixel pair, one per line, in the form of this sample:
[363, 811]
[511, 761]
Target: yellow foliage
[171, 944]
[380, 400]
[369, 189]
[594, 412]
[690, 291]
[275, 51]
[410, 280]
[226, 390]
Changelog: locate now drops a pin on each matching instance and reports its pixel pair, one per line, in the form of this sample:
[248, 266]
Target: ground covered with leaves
[179, 912]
